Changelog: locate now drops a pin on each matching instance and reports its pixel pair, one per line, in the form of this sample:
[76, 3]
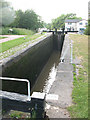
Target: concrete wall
[58, 40]
[29, 64]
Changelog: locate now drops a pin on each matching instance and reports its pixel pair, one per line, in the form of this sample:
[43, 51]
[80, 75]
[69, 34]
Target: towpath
[10, 37]
[62, 86]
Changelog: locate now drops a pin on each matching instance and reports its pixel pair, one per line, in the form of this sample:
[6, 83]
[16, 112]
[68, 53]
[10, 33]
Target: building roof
[72, 20]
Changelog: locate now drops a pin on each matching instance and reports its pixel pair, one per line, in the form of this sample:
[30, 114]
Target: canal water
[43, 81]
[47, 75]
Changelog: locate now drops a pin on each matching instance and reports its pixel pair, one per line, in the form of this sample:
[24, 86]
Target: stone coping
[15, 57]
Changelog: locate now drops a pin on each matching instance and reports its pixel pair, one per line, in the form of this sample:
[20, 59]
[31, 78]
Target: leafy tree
[7, 13]
[59, 22]
[28, 19]
[48, 26]
[87, 31]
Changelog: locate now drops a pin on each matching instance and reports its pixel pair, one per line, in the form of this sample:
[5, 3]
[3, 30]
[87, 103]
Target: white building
[41, 29]
[75, 25]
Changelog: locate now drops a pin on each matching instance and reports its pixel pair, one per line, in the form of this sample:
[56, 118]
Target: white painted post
[29, 98]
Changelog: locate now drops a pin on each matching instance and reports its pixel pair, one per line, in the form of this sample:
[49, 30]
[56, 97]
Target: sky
[51, 9]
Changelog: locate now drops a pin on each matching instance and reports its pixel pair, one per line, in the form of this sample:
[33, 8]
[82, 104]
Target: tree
[59, 22]
[7, 13]
[87, 31]
[28, 19]
[18, 19]
[48, 26]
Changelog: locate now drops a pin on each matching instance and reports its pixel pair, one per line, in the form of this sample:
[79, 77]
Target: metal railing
[22, 80]
[71, 52]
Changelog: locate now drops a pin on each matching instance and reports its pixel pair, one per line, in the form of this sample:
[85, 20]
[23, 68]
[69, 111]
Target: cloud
[50, 9]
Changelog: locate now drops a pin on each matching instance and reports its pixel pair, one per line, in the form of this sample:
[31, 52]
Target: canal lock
[38, 64]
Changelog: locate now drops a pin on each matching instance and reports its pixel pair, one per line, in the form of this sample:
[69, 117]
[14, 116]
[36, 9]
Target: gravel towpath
[10, 37]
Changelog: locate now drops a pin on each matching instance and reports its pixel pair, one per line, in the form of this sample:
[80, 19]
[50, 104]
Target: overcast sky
[50, 9]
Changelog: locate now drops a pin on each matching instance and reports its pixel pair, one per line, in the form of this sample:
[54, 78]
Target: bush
[4, 31]
[21, 31]
[87, 31]
[16, 31]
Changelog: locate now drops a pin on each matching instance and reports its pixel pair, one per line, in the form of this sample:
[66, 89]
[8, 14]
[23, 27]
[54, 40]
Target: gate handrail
[22, 80]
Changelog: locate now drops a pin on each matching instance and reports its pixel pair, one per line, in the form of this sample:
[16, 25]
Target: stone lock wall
[29, 64]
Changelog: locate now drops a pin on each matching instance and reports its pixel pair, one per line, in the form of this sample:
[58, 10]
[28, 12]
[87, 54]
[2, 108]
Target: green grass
[2, 37]
[80, 98]
[20, 31]
[79, 109]
[10, 44]
[16, 31]
[19, 115]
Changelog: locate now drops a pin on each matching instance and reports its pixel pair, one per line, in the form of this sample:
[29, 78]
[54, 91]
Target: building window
[68, 29]
[72, 29]
[86, 23]
[80, 23]
[69, 23]
[81, 29]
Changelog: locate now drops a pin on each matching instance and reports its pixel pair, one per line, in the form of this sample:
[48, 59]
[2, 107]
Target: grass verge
[2, 37]
[16, 31]
[10, 44]
[79, 109]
